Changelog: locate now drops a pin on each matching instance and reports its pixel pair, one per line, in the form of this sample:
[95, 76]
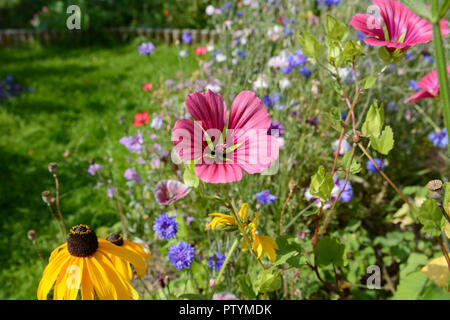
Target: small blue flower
[242, 54]
[409, 56]
[429, 59]
[305, 71]
[181, 255]
[370, 166]
[239, 14]
[347, 194]
[166, 227]
[146, 48]
[439, 139]
[265, 197]
[187, 37]
[413, 85]
[216, 261]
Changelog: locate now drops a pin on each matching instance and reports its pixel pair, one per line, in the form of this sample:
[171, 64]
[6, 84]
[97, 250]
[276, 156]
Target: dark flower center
[82, 241]
[116, 239]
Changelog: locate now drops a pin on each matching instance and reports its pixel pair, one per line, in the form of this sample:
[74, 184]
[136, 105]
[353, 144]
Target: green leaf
[322, 184]
[334, 117]
[245, 286]
[189, 177]
[374, 120]
[430, 216]
[385, 55]
[352, 49]
[444, 9]
[336, 29]
[355, 167]
[385, 142]
[312, 48]
[369, 82]
[410, 287]
[446, 200]
[330, 250]
[419, 7]
[268, 281]
[288, 247]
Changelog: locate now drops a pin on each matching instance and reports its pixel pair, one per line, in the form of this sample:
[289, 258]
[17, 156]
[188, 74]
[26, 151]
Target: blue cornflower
[428, 59]
[409, 55]
[328, 3]
[265, 197]
[216, 261]
[287, 31]
[277, 127]
[347, 194]
[239, 14]
[181, 255]
[271, 101]
[360, 35]
[187, 37]
[305, 71]
[413, 85]
[166, 227]
[146, 48]
[370, 166]
[242, 54]
[439, 139]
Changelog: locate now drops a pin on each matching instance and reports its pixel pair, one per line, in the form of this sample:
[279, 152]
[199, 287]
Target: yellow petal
[137, 261]
[447, 229]
[51, 272]
[86, 288]
[55, 252]
[60, 288]
[243, 212]
[138, 248]
[437, 271]
[102, 285]
[269, 246]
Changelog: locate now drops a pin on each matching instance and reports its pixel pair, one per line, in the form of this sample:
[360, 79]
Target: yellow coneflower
[225, 220]
[122, 265]
[83, 264]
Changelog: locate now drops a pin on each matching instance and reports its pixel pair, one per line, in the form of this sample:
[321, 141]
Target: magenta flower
[222, 154]
[169, 191]
[429, 85]
[403, 27]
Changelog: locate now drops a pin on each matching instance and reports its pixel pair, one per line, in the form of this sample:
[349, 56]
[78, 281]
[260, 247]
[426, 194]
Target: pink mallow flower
[169, 191]
[429, 85]
[221, 154]
[403, 27]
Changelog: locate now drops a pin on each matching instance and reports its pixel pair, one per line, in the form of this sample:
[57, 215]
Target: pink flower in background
[140, 119]
[169, 191]
[243, 146]
[147, 86]
[403, 27]
[200, 51]
[429, 85]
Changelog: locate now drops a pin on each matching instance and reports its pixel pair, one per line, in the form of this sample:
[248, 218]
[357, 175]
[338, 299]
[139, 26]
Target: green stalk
[441, 65]
[224, 265]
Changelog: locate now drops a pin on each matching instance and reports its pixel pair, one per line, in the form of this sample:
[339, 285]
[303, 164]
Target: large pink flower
[403, 27]
[430, 86]
[221, 153]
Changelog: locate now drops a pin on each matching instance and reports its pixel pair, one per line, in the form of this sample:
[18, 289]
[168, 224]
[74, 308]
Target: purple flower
[110, 192]
[93, 168]
[146, 48]
[134, 144]
[305, 71]
[413, 85]
[181, 255]
[276, 129]
[347, 195]
[370, 166]
[216, 261]
[440, 138]
[166, 227]
[187, 37]
[132, 174]
[224, 296]
[265, 197]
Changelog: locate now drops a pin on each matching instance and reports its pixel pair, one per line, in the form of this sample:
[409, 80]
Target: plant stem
[52, 210]
[241, 227]
[441, 65]
[224, 265]
[444, 251]
[58, 206]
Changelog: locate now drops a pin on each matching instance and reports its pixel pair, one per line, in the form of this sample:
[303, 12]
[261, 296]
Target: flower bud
[31, 234]
[212, 282]
[435, 189]
[357, 137]
[292, 185]
[53, 168]
[47, 197]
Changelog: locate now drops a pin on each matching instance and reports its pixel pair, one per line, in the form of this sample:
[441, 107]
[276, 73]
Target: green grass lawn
[77, 99]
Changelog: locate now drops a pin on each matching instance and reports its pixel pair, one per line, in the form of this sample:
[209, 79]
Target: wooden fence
[18, 36]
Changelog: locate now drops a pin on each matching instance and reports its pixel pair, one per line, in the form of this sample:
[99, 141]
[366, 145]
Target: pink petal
[208, 108]
[257, 152]
[430, 81]
[169, 191]
[218, 173]
[368, 24]
[419, 95]
[248, 112]
[187, 137]
[389, 44]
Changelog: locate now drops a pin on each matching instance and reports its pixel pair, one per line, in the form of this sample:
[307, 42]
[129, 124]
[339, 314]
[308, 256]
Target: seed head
[53, 168]
[31, 234]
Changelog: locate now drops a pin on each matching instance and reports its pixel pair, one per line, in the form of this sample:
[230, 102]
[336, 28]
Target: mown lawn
[70, 116]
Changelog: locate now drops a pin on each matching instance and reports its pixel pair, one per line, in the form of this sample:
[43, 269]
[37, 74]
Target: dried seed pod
[31, 234]
[436, 189]
[47, 197]
[53, 168]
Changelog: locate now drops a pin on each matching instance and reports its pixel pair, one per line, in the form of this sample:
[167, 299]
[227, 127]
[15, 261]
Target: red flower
[147, 86]
[200, 51]
[140, 119]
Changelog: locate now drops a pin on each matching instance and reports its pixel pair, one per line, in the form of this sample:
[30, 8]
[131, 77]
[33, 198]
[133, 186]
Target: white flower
[234, 61]
[157, 123]
[284, 83]
[345, 147]
[213, 87]
[209, 47]
[278, 62]
[183, 53]
[260, 82]
[210, 10]
[220, 57]
[280, 142]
